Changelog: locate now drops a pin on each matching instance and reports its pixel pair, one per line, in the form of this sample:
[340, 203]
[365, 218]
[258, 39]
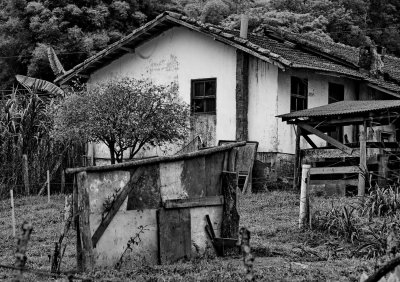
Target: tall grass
[365, 224]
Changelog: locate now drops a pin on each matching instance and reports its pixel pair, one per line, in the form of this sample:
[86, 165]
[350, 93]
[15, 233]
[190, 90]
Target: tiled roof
[344, 108]
[283, 49]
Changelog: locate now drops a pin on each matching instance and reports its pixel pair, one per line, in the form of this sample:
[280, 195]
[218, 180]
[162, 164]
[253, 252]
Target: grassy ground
[283, 253]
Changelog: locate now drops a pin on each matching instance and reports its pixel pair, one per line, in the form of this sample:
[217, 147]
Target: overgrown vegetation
[25, 132]
[79, 29]
[366, 223]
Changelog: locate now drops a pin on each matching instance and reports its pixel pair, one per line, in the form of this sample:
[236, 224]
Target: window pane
[293, 104]
[210, 105]
[210, 88]
[198, 89]
[198, 106]
[294, 85]
[335, 92]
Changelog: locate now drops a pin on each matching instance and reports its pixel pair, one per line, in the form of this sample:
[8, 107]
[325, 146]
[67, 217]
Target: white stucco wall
[317, 96]
[180, 55]
[263, 104]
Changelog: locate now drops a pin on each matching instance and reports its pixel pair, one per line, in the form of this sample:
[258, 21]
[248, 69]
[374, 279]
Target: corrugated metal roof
[344, 108]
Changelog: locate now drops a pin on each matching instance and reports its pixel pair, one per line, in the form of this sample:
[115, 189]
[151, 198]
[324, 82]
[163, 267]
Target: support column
[296, 159]
[242, 95]
[363, 161]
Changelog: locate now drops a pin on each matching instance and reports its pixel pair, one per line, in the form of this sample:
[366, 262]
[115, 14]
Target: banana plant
[35, 84]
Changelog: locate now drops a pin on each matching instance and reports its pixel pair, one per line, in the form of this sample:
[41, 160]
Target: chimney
[244, 25]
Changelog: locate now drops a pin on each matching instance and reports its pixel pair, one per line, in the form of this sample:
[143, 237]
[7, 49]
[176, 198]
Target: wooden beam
[311, 155]
[129, 50]
[334, 170]
[309, 141]
[296, 159]
[165, 159]
[352, 182]
[117, 204]
[363, 161]
[327, 138]
[196, 202]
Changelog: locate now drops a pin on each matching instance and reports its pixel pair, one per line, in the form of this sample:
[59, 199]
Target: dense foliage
[78, 29]
[125, 114]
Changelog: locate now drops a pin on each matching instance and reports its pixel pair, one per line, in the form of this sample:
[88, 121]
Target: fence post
[12, 211]
[48, 186]
[25, 173]
[304, 201]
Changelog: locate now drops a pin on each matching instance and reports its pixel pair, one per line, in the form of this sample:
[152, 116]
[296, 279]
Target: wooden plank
[174, 233]
[163, 159]
[193, 177]
[145, 193]
[334, 170]
[325, 137]
[211, 227]
[84, 223]
[194, 202]
[230, 215]
[309, 141]
[352, 182]
[117, 204]
[213, 169]
[312, 154]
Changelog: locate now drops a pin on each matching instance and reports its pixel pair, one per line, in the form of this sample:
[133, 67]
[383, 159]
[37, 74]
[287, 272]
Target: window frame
[297, 96]
[194, 97]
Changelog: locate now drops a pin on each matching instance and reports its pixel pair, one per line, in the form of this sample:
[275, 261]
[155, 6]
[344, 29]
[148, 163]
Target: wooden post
[48, 186]
[84, 223]
[304, 201]
[248, 258]
[25, 173]
[230, 215]
[12, 212]
[22, 245]
[296, 159]
[62, 188]
[363, 161]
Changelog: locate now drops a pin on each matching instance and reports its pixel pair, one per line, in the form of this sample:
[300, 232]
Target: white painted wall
[317, 96]
[180, 55]
[263, 104]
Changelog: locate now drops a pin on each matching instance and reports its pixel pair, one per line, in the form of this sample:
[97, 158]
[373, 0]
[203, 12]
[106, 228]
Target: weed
[109, 202]
[382, 201]
[338, 221]
[133, 241]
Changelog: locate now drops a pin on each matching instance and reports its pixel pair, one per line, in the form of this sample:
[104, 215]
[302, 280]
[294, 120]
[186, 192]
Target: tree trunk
[112, 152]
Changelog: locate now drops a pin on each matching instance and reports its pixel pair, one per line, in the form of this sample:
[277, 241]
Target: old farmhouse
[238, 83]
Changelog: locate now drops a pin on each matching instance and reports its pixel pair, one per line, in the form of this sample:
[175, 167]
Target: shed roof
[344, 108]
[283, 49]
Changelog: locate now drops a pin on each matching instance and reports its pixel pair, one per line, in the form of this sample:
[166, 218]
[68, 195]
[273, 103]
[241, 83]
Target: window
[298, 94]
[203, 95]
[335, 93]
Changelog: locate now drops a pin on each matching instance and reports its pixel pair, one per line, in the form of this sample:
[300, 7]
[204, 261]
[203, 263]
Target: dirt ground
[283, 252]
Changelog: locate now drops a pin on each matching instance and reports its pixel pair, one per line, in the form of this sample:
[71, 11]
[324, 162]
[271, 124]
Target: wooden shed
[163, 201]
[361, 144]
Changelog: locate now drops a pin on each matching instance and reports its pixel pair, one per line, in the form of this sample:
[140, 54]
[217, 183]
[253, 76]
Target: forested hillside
[77, 29]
